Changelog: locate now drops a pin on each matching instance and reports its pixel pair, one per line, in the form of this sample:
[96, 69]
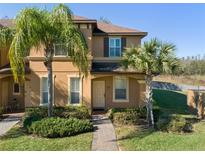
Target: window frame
[74, 91]
[41, 84]
[127, 89]
[120, 46]
[66, 55]
[16, 93]
[69, 88]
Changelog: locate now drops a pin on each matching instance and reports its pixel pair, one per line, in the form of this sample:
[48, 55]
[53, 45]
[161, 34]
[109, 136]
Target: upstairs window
[60, 50]
[114, 47]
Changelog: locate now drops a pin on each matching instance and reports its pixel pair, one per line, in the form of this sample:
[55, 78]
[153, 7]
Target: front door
[98, 94]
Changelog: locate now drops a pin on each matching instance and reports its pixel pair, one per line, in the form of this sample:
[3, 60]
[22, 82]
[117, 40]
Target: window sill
[74, 104]
[120, 100]
[17, 94]
[45, 104]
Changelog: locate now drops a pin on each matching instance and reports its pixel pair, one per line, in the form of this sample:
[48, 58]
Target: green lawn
[17, 140]
[133, 138]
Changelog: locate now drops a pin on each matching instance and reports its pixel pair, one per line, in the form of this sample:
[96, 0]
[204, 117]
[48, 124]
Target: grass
[182, 79]
[17, 140]
[130, 138]
[170, 102]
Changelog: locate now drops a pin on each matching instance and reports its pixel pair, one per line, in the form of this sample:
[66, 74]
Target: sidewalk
[7, 123]
[104, 138]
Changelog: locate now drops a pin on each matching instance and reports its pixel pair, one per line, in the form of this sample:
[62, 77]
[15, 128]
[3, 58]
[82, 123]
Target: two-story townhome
[107, 85]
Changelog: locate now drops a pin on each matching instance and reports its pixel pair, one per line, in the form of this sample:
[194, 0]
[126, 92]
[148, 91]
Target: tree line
[191, 67]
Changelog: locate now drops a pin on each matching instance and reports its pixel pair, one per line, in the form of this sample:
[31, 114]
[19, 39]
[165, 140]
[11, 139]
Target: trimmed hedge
[79, 112]
[174, 123]
[60, 127]
[127, 116]
[37, 113]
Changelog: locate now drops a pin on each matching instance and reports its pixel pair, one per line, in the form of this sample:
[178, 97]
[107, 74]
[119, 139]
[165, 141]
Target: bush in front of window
[79, 112]
[60, 127]
[127, 116]
[37, 113]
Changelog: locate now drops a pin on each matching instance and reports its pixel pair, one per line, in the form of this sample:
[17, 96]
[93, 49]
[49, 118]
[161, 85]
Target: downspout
[82, 90]
[54, 79]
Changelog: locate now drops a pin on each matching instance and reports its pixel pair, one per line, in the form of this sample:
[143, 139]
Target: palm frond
[153, 57]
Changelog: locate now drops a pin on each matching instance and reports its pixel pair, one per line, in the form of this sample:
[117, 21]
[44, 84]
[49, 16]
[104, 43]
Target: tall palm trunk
[48, 64]
[50, 89]
[149, 102]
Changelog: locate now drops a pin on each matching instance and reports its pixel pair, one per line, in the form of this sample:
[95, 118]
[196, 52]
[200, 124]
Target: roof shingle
[101, 29]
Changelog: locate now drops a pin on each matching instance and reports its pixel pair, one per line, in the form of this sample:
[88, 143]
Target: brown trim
[106, 47]
[116, 72]
[85, 21]
[143, 34]
[123, 44]
[107, 59]
[57, 58]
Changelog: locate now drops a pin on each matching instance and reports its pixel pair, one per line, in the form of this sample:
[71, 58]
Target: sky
[180, 24]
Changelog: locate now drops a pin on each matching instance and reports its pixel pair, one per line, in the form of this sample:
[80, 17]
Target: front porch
[11, 93]
[117, 90]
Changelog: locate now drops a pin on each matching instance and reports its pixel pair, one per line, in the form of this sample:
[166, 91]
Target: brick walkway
[104, 138]
[9, 122]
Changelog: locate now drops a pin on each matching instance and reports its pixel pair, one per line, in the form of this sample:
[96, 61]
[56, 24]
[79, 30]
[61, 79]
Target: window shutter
[123, 44]
[106, 47]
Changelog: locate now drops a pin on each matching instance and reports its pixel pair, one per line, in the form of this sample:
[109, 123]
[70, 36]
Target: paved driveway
[104, 138]
[9, 122]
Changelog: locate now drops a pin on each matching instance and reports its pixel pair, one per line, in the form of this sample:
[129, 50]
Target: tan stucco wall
[136, 91]
[87, 33]
[60, 88]
[11, 96]
[98, 44]
[62, 70]
[4, 57]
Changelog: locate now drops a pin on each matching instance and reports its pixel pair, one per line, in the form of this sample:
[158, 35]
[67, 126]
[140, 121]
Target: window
[120, 88]
[44, 90]
[60, 50]
[75, 90]
[16, 89]
[114, 47]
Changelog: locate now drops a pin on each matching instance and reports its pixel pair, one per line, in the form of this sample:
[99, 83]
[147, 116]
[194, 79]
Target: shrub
[156, 113]
[174, 123]
[1, 111]
[127, 116]
[28, 120]
[79, 112]
[36, 111]
[60, 127]
[179, 124]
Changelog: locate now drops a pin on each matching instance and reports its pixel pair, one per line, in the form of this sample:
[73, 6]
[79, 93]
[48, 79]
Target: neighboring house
[107, 85]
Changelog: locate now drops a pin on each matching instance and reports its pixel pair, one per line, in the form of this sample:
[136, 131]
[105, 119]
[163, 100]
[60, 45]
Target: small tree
[6, 37]
[152, 58]
[37, 28]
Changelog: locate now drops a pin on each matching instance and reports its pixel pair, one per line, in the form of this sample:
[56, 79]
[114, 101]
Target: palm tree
[6, 36]
[153, 58]
[36, 28]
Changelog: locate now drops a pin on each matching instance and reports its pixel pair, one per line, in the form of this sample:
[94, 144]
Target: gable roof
[103, 28]
[100, 29]
[7, 23]
[80, 19]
